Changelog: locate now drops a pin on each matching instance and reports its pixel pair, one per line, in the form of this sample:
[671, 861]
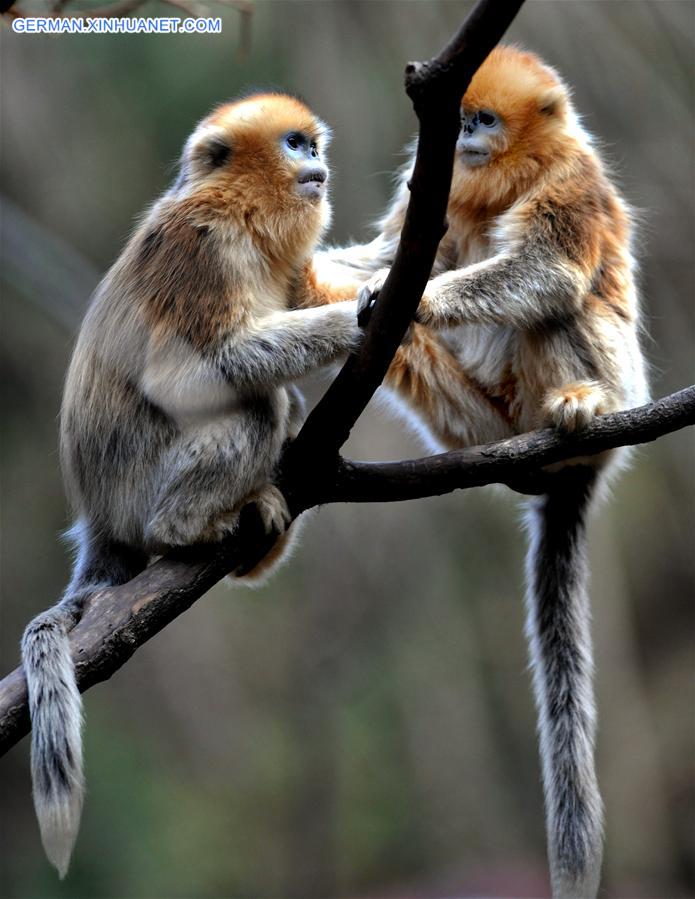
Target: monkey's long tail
[55, 707]
[558, 629]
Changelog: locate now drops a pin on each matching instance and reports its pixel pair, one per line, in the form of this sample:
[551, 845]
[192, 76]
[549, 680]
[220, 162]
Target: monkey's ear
[552, 101]
[215, 152]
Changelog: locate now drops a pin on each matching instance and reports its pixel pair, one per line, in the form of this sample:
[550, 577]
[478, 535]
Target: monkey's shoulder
[176, 275]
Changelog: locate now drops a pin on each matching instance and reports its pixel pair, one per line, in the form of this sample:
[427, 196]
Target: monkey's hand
[368, 296]
[272, 507]
[573, 406]
[367, 299]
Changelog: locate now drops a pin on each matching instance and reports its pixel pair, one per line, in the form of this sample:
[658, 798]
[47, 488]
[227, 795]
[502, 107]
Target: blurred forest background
[363, 726]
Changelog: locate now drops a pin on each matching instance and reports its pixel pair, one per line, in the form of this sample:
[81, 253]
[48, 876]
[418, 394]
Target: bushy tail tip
[55, 707]
[59, 822]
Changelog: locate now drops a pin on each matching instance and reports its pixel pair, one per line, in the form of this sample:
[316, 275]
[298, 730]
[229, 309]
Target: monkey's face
[258, 163]
[481, 136]
[512, 117]
[304, 160]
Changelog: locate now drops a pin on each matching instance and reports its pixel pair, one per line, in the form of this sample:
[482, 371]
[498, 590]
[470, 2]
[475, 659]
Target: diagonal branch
[436, 88]
[120, 619]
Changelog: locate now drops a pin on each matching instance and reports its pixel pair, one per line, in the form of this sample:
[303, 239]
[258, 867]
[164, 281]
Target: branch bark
[120, 619]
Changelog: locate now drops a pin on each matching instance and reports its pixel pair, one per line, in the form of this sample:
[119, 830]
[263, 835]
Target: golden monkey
[530, 319]
[180, 392]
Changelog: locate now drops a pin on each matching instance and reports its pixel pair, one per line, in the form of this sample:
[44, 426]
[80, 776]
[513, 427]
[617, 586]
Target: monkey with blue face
[181, 390]
[530, 319]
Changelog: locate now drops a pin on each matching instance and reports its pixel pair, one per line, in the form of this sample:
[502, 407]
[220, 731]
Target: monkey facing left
[181, 393]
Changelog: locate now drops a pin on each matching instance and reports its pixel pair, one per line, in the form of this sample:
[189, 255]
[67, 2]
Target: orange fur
[544, 178]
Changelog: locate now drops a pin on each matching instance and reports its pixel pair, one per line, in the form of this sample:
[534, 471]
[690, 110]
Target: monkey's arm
[525, 289]
[544, 258]
[358, 261]
[546, 255]
[321, 283]
[336, 275]
[285, 346]
[188, 382]
[361, 261]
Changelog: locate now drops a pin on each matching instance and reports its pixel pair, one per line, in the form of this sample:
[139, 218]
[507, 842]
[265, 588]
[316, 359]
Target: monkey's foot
[220, 526]
[573, 406]
[272, 507]
[178, 526]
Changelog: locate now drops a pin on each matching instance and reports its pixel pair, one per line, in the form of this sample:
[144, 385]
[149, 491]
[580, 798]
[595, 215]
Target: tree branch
[120, 619]
[436, 88]
[512, 462]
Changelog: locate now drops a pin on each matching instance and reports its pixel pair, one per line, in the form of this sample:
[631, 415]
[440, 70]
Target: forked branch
[120, 619]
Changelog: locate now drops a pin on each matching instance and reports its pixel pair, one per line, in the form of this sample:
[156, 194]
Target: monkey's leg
[55, 705]
[212, 480]
[560, 646]
[456, 409]
[209, 474]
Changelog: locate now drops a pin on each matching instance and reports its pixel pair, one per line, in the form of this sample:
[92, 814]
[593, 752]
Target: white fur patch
[177, 380]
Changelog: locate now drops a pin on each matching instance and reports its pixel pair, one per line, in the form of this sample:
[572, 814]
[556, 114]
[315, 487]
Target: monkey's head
[258, 163]
[515, 117]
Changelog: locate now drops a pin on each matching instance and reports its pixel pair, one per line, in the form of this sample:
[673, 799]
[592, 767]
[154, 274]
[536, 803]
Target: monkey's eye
[314, 149]
[487, 118]
[294, 141]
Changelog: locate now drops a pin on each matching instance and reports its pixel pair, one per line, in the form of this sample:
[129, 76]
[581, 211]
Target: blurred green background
[363, 726]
